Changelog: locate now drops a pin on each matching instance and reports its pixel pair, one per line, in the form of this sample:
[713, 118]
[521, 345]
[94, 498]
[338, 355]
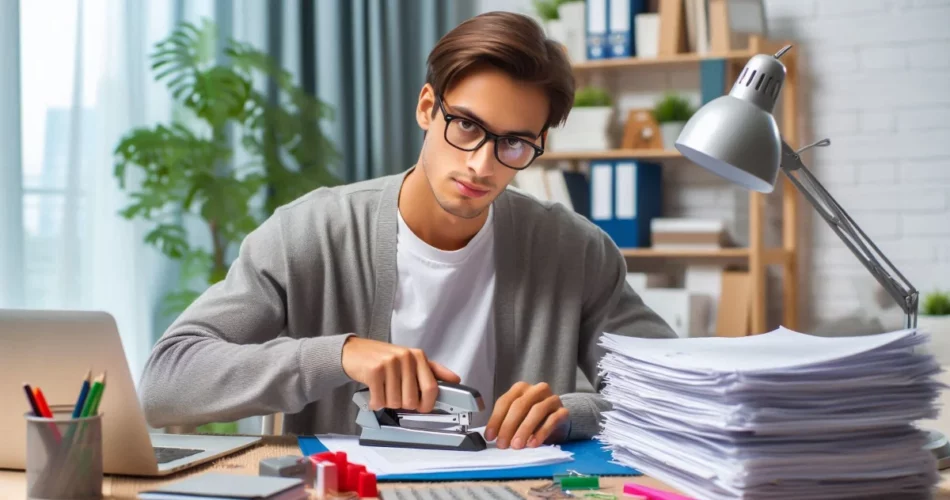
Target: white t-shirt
[444, 305]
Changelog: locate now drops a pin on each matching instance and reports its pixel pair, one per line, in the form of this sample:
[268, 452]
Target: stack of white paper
[383, 460]
[778, 415]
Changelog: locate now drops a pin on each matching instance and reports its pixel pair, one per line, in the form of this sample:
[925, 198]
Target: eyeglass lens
[468, 135]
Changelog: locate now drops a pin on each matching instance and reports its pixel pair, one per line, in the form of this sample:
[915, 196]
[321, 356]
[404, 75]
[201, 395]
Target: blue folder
[589, 458]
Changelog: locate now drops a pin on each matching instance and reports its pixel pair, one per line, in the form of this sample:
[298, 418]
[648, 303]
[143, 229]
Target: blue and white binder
[620, 31]
[625, 195]
[597, 47]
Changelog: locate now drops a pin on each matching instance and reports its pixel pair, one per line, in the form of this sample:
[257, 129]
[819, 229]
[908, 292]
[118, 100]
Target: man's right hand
[397, 377]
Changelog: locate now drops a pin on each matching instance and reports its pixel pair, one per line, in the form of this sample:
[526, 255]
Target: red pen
[41, 403]
[44, 409]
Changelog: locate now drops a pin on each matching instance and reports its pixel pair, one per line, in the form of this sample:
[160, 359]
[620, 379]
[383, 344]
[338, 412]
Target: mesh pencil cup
[63, 456]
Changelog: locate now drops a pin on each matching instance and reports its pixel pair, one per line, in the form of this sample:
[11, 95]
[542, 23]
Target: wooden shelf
[613, 154]
[639, 62]
[769, 255]
[719, 253]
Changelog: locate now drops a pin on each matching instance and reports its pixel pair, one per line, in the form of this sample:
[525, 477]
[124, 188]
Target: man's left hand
[528, 415]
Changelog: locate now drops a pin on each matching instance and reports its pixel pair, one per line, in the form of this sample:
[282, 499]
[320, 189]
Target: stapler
[454, 406]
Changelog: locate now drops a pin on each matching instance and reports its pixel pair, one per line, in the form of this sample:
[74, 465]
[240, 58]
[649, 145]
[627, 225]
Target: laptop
[54, 350]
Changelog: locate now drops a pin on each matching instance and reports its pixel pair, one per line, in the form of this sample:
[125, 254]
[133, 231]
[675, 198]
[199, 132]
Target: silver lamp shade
[735, 136]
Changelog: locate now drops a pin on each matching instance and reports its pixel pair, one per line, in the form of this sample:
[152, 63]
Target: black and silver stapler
[454, 407]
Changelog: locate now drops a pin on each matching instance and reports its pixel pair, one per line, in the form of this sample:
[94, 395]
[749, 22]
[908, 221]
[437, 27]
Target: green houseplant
[934, 318]
[186, 169]
[671, 114]
[587, 127]
[562, 21]
[936, 303]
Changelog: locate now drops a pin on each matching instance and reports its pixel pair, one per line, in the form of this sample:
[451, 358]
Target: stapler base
[401, 437]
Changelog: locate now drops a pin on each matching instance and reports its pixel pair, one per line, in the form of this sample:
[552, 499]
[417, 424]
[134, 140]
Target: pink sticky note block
[652, 493]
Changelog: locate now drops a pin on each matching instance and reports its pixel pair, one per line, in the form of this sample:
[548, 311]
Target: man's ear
[425, 106]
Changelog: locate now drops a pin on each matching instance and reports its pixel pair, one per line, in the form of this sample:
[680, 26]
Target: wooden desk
[13, 484]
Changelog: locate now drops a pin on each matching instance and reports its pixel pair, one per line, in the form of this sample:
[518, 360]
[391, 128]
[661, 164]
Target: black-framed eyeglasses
[468, 135]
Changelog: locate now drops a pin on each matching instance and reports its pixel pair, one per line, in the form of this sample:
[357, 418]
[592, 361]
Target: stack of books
[778, 415]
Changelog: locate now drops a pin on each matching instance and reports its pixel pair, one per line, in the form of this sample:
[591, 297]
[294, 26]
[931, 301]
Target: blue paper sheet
[589, 458]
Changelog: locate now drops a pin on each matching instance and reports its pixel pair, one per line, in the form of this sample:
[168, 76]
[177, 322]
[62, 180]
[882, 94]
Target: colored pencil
[32, 400]
[41, 401]
[94, 393]
[83, 392]
[45, 411]
[102, 391]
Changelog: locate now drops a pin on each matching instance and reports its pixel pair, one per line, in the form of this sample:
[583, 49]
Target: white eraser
[325, 479]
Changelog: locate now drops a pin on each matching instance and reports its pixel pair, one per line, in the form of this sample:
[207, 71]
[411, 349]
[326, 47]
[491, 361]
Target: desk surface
[13, 484]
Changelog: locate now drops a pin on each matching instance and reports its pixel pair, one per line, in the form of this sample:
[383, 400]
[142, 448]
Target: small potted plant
[547, 11]
[671, 114]
[934, 319]
[587, 127]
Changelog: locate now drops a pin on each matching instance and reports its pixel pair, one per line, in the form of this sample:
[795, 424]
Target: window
[61, 59]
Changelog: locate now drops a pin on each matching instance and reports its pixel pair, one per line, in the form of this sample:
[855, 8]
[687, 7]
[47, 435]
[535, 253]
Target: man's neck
[427, 220]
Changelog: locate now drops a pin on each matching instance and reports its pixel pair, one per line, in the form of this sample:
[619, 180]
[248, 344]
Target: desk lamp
[736, 137]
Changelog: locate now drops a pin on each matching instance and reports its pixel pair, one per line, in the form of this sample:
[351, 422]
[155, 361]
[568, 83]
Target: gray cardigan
[269, 337]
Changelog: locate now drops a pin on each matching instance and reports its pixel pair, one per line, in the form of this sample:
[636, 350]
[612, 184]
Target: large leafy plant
[187, 169]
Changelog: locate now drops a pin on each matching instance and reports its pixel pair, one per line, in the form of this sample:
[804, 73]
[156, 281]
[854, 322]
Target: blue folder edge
[589, 458]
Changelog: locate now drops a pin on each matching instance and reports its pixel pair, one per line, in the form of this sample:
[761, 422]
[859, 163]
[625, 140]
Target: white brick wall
[876, 80]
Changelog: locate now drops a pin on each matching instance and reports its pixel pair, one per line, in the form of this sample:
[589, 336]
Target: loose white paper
[393, 460]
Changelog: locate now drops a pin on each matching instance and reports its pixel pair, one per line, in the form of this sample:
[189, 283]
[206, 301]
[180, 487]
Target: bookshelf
[740, 56]
[640, 154]
[757, 257]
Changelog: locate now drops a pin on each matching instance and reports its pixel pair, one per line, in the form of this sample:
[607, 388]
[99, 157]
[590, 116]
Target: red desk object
[353, 476]
[342, 468]
[367, 485]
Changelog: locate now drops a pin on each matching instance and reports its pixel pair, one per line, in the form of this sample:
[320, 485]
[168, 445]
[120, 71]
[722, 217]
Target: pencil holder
[63, 456]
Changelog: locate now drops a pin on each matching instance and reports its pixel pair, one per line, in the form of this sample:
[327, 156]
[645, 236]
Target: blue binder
[625, 196]
[579, 189]
[589, 458]
[621, 28]
[597, 19]
[712, 79]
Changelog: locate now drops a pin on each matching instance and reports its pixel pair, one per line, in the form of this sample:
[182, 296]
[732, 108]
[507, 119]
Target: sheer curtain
[79, 81]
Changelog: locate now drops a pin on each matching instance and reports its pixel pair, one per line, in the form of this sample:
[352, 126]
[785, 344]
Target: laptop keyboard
[165, 455]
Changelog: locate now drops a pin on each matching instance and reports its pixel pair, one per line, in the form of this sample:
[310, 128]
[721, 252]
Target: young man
[438, 273]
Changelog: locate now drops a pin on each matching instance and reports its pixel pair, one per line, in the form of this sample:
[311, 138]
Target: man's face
[466, 182]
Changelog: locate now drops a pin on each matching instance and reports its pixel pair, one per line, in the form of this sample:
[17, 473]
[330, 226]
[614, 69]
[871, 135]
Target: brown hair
[515, 44]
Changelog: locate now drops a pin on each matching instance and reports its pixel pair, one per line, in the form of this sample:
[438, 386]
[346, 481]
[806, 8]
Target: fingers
[393, 383]
[377, 388]
[518, 411]
[501, 410]
[555, 422]
[536, 416]
[410, 386]
[428, 387]
[443, 373]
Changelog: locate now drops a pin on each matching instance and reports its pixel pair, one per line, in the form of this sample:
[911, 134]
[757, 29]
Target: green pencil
[95, 392]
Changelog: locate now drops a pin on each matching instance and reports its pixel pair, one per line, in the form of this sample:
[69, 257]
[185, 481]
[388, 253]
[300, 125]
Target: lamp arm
[897, 286]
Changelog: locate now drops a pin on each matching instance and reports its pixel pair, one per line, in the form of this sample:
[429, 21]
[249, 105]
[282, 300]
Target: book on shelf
[689, 234]
[567, 188]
